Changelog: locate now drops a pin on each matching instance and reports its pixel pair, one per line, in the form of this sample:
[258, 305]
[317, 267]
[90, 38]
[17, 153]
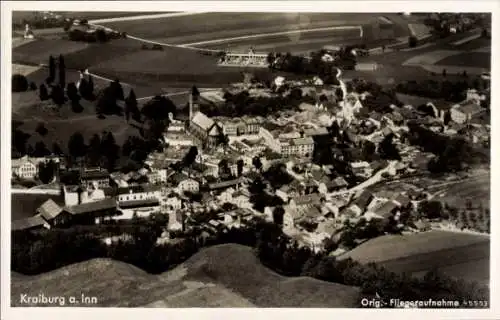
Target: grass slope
[421, 252]
[220, 276]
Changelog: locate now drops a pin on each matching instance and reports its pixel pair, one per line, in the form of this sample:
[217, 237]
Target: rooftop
[49, 209]
[139, 203]
[27, 223]
[202, 121]
[106, 204]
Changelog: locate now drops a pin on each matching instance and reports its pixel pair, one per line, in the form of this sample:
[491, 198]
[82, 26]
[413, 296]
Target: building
[175, 221]
[95, 178]
[74, 195]
[140, 192]
[206, 130]
[24, 168]
[53, 214]
[138, 208]
[184, 183]
[92, 212]
[462, 113]
[178, 139]
[233, 183]
[30, 224]
[360, 204]
[301, 147]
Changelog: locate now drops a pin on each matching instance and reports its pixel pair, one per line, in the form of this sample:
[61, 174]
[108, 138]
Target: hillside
[220, 276]
[457, 254]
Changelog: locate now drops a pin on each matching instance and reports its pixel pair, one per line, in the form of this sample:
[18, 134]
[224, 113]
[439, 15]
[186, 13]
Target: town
[331, 160]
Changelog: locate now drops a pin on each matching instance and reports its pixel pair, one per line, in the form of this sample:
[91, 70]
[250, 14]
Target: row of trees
[316, 65]
[452, 153]
[447, 90]
[36, 253]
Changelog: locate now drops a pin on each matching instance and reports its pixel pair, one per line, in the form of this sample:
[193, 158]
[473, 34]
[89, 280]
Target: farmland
[417, 253]
[468, 59]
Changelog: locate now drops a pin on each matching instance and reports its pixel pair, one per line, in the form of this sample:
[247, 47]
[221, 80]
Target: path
[54, 192]
[145, 17]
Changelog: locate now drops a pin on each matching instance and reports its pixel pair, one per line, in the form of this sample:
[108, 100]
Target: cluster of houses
[316, 202]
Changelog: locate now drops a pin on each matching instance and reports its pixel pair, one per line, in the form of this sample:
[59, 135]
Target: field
[219, 276]
[62, 123]
[417, 253]
[468, 59]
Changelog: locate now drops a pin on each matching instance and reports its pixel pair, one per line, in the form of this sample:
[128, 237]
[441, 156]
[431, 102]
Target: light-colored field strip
[465, 40]
[272, 34]
[23, 69]
[179, 93]
[486, 49]
[145, 17]
[430, 58]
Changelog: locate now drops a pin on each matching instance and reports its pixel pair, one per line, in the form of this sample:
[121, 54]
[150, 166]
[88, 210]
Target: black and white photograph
[247, 159]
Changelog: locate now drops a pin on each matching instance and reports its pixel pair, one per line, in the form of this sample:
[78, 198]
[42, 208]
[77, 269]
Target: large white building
[24, 168]
[292, 145]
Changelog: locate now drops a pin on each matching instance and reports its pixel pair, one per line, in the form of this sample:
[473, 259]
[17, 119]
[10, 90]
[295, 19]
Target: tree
[388, 150]
[447, 117]
[444, 72]
[158, 108]
[62, 72]
[101, 35]
[190, 156]
[41, 130]
[412, 41]
[57, 95]
[83, 88]
[40, 150]
[19, 83]
[257, 163]
[106, 103]
[110, 150]
[46, 171]
[131, 107]
[368, 151]
[240, 165]
[72, 92]
[278, 214]
[94, 150]
[117, 90]
[431, 209]
[270, 58]
[56, 149]
[90, 86]
[52, 70]
[33, 86]
[44, 94]
[76, 145]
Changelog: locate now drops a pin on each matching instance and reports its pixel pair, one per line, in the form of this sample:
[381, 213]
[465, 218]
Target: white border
[249, 6]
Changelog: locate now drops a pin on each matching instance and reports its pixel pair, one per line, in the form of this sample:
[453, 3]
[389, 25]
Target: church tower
[193, 102]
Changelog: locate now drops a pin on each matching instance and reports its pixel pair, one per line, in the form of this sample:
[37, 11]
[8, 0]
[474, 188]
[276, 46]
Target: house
[53, 214]
[225, 184]
[386, 210]
[139, 208]
[310, 199]
[402, 201]
[360, 204]
[205, 129]
[175, 221]
[30, 224]
[170, 203]
[361, 168]
[183, 183]
[241, 198]
[138, 192]
[92, 178]
[24, 168]
[74, 195]
[439, 108]
[92, 212]
[464, 112]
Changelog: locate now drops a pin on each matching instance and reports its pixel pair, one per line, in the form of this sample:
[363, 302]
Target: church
[204, 129]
